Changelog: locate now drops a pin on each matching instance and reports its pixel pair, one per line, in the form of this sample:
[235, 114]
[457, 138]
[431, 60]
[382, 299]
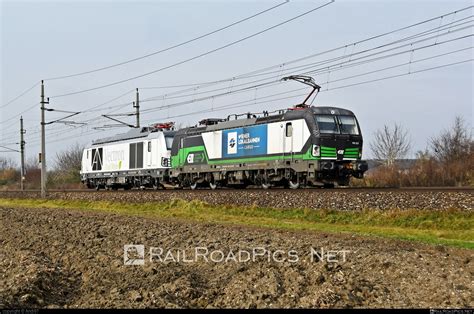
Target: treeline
[64, 173]
[448, 159]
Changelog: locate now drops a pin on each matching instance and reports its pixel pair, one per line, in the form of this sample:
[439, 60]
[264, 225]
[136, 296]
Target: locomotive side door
[149, 153]
[181, 151]
[288, 139]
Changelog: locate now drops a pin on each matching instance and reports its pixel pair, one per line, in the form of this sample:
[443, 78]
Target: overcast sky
[45, 39]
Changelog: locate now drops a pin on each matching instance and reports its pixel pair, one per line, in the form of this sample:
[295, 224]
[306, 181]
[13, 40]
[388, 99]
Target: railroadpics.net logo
[134, 254]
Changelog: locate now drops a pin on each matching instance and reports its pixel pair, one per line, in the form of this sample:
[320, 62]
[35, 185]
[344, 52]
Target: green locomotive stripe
[179, 160]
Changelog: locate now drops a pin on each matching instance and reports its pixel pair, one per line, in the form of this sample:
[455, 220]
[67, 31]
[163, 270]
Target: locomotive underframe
[288, 173]
[149, 178]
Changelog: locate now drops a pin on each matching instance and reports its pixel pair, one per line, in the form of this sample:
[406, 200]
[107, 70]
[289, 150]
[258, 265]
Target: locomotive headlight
[316, 151]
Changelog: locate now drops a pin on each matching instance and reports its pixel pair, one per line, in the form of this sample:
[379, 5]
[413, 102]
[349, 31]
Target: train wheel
[97, 187]
[265, 183]
[293, 185]
[193, 186]
[213, 186]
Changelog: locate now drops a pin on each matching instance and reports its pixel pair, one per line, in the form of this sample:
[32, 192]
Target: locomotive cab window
[331, 124]
[168, 141]
[289, 130]
[327, 124]
[348, 125]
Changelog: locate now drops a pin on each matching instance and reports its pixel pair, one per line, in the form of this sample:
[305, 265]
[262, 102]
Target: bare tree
[8, 171]
[7, 163]
[68, 164]
[454, 144]
[32, 172]
[32, 163]
[390, 144]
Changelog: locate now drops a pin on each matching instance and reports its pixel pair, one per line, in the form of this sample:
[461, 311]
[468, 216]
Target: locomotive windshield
[327, 124]
[169, 141]
[348, 125]
[331, 124]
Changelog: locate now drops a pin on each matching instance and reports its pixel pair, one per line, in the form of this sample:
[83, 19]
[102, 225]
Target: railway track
[273, 190]
[461, 198]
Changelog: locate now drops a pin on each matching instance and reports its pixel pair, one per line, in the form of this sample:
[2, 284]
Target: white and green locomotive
[299, 147]
[302, 146]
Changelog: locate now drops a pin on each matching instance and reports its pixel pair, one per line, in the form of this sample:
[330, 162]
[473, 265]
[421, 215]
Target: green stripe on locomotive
[180, 159]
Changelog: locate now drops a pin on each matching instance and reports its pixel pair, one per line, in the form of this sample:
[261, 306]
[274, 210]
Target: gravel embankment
[315, 199]
[69, 258]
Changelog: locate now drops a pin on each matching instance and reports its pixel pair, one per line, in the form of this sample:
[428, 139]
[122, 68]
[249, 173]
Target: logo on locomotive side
[232, 143]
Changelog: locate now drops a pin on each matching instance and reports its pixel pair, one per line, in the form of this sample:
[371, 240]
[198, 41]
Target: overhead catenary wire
[328, 61]
[249, 74]
[336, 80]
[170, 47]
[439, 43]
[288, 62]
[431, 31]
[313, 55]
[453, 13]
[251, 101]
[19, 96]
[9, 149]
[277, 81]
[27, 109]
[195, 57]
[89, 110]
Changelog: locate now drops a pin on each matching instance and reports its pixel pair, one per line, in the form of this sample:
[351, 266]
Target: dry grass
[452, 227]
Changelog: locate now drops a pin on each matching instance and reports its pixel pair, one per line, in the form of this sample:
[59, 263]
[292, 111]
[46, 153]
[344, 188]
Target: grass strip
[446, 227]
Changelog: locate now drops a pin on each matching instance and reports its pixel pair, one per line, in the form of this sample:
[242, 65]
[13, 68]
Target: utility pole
[136, 105]
[43, 143]
[22, 151]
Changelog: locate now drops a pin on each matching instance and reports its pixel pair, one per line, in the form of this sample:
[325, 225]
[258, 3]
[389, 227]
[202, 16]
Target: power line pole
[136, 105]
[22, 150]
[43, 143]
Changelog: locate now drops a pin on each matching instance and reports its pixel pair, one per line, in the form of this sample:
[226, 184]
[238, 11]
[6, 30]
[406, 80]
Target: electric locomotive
[139, 158]
[298, 147]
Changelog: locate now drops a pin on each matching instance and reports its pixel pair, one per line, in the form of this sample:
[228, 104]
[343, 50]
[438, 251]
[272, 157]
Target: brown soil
[70, 258]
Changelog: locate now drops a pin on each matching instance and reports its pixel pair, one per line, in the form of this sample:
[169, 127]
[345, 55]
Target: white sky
[41, 39]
